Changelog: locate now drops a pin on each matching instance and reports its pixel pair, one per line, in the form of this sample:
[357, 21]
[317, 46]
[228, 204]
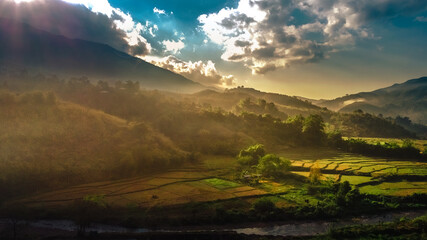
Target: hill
[23, 45]
[43, 147]
[406, 99]
[231, 98]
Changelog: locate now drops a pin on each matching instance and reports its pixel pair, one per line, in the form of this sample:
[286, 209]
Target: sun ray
[20, 1]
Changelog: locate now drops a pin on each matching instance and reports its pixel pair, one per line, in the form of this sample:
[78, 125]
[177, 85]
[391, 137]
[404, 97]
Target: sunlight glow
[99, 6]
[20, 1]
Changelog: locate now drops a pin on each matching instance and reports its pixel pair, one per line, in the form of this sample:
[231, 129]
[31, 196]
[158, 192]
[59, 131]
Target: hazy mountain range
[43, 51]
[23, 45]
[405, 99]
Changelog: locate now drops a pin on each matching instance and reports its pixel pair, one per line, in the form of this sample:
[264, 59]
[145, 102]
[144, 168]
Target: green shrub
[273, 166]
[255, 152]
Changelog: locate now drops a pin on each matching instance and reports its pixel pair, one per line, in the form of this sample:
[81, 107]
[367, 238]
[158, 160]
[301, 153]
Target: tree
[358, 111]
[262, 103]
[251, 155]
[343, 189]
[313, 129]
[271, 107]
[245, 103]
[273, 166]
[296, 122]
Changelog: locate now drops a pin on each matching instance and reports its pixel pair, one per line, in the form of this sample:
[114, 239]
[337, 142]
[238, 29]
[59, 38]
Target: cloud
[269, 34]
[159, 11]
[173, 46]
[202, 72]
[95, 21]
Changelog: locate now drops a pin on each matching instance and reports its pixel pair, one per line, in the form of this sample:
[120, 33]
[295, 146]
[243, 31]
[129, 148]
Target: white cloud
[97, 6]
[199, 71]
[159, 11]
[172, 46]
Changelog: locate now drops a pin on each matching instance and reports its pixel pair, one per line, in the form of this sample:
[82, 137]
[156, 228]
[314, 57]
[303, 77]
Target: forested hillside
[49, 143]
[407, 99]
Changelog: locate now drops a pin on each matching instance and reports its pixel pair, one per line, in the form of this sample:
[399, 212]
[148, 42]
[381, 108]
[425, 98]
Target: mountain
[23, 45]
[405, 99]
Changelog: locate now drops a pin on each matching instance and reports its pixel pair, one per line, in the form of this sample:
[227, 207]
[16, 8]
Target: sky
[311, 48]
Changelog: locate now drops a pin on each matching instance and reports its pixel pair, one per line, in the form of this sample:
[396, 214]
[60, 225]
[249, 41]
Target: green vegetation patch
[274, 187]
[298, 197]
[419, 170]
[355, 180]
[377, 191]
[403, 188]
[374, 168]
[220, 183]
[304, 174]
[218, 162]
[420, 144]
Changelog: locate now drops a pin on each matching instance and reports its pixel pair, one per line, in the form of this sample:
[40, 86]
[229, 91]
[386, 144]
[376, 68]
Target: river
[284, 229]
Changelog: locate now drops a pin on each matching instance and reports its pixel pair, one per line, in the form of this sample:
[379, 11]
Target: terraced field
[214, 179]
[208, 181]
[372, 175]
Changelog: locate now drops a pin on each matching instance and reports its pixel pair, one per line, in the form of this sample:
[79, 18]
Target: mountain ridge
[61, 55]
[405, 99]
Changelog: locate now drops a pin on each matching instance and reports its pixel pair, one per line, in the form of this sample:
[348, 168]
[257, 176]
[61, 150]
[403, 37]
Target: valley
[203, 120]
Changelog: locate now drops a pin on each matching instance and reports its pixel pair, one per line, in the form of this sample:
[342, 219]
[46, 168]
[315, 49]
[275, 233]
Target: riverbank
[63, 229]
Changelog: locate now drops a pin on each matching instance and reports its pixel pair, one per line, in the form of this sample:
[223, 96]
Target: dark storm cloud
[236, 20]
[284, 38]
[370, 10]
[236, 57]
[264, 69]
[239, 43]
[273, 39]
[267, 52]
[72, 21]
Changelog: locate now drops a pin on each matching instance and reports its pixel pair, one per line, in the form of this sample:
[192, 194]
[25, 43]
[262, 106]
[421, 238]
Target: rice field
[213, 179]
[403, 188]
[362, 171]
[208, 181]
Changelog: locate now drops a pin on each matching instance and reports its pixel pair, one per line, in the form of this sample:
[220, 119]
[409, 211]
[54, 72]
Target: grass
[221, 183]
[274, 187]
[403, 188]
[213, 162]
[355, 180]
[299, 198]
